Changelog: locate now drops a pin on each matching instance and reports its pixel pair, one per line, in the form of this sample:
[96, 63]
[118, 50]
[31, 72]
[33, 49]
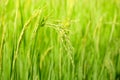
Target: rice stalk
[43, 56]
[3, 26]
[20, 38]
[96, 34]
[110, 67]
[64, 43]
[1, 50]
[113, 27]
[64, 39]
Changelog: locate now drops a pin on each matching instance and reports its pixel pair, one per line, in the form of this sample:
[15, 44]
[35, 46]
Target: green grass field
[59, 39]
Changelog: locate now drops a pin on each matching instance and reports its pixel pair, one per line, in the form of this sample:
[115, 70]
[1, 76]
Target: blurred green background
[59, 39]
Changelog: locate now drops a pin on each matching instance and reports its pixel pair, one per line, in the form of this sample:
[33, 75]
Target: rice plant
[59, 40]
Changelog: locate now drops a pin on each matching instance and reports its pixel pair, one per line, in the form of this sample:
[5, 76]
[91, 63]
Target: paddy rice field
[59, 39]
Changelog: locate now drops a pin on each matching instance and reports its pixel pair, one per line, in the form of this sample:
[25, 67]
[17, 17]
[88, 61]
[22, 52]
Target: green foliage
[59, 40]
